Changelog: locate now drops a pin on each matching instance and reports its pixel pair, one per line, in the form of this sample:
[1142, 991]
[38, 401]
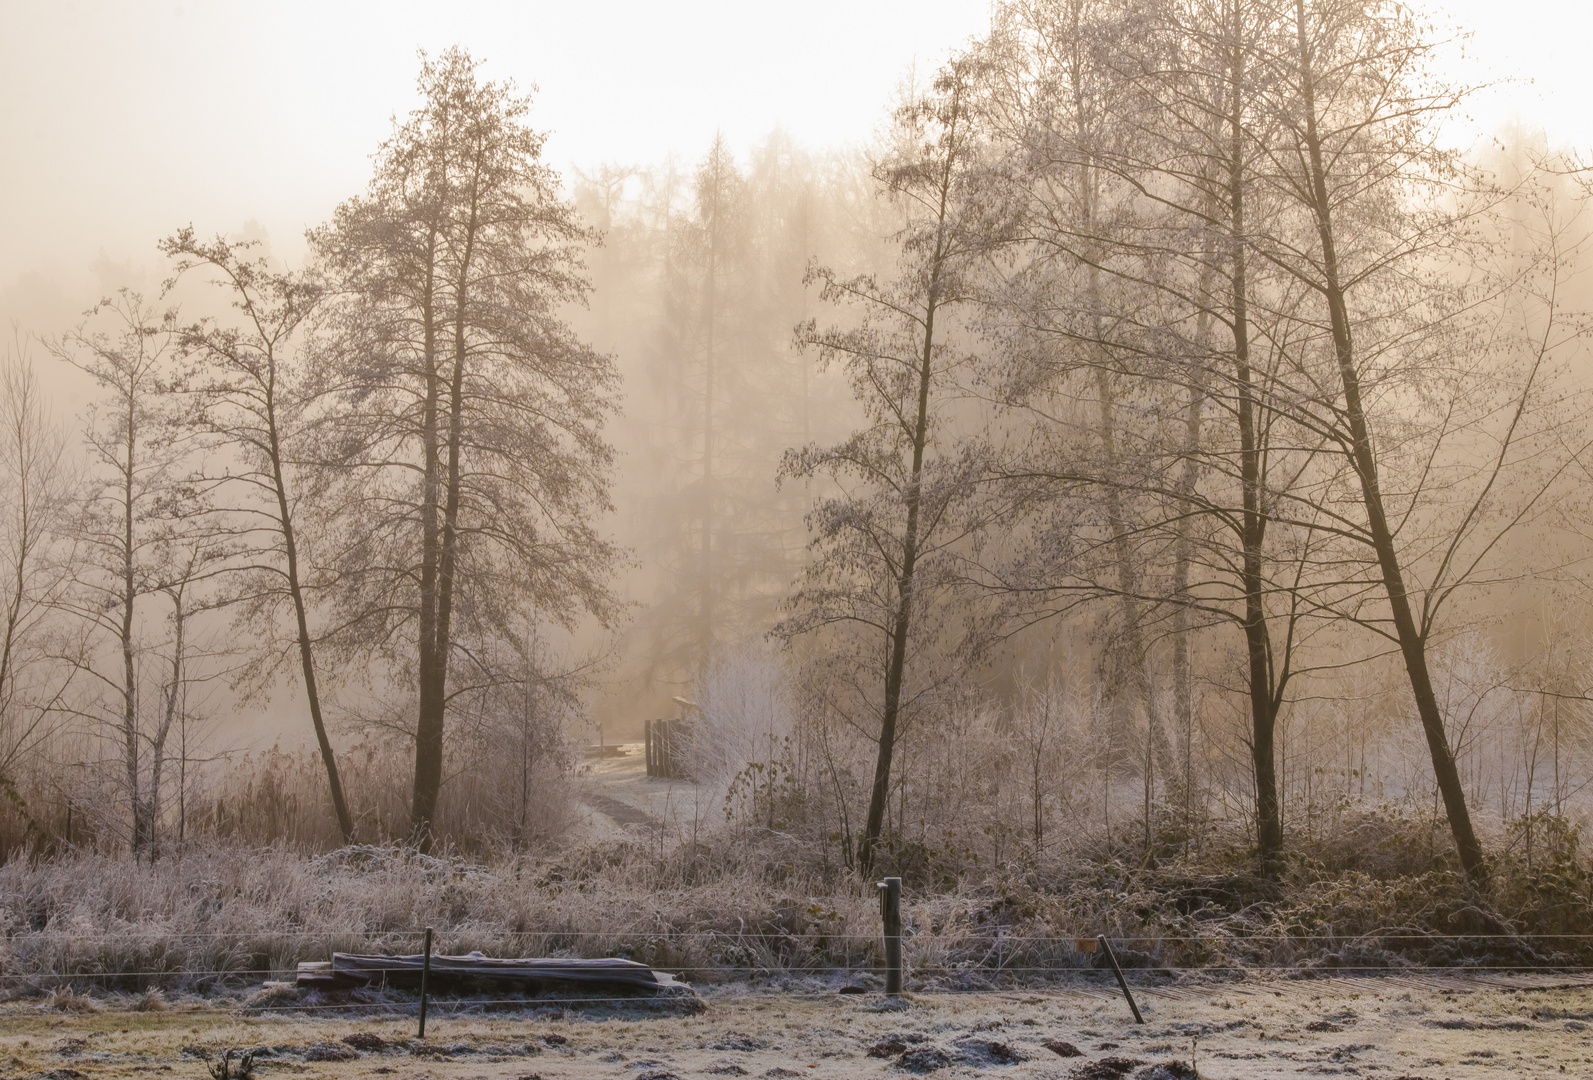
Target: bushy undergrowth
[277, 796]
[750, 903]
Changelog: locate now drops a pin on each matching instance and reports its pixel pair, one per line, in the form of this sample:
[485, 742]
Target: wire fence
[40, 961]
[467, 930]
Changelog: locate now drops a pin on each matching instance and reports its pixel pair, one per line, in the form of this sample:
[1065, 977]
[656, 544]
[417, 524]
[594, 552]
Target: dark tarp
[451, 972]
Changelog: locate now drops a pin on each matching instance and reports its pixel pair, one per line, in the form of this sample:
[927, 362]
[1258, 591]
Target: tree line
[1199, 325]
[1160, 378]
[1194, 347]
[385, 469]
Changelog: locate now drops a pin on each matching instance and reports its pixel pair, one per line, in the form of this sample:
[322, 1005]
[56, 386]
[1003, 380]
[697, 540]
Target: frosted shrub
[742, 736]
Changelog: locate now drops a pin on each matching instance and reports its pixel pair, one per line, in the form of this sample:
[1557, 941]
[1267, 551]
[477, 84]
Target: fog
[136, 117]
[716, 510]
[123, 120]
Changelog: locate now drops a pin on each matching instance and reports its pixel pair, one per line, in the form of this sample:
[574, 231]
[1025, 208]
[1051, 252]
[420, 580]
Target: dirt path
[619, 789]
[1386, 1029]
[619, 813]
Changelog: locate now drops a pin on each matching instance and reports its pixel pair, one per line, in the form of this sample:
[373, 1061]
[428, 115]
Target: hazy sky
[121, 120]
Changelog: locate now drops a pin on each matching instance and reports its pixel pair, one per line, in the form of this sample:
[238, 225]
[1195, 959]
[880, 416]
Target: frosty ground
[1384, 1028]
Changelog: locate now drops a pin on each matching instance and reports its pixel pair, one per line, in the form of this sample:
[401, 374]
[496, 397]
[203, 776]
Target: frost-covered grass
[759, 906]
[220, 910]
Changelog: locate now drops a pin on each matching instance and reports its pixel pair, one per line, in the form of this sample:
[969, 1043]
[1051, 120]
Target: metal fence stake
[1111, 958]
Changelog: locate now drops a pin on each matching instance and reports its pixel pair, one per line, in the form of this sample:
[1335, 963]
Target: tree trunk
[157, 745]
[436, 700]
[140, 835]
[1133, 663]
[428, 721]
[1412, 640]
[1189, 476]
[1265, 698]
[896, 664]
[345, 821]
[705, 595]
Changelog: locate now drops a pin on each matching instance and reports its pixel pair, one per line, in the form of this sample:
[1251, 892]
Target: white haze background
[121, 120]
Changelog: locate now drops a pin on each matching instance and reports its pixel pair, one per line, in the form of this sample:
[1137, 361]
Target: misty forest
[1144, 491]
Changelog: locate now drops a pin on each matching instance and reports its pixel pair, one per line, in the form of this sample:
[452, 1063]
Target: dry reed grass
[758, 886]
[748, 904]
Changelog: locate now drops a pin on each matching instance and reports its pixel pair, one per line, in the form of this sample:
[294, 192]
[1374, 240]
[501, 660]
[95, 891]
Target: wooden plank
[318, 975]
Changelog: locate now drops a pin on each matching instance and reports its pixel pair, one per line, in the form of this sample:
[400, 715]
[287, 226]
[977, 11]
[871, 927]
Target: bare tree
[35, 496]
[191, 562]
[1040, 724]
[124, 526]
[1129, 131]
[1427, 381]
[885, 550]
[247, 403]
[469, 428]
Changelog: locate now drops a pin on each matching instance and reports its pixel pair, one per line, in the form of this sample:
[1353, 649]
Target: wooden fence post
[890, 909]
[425, 977]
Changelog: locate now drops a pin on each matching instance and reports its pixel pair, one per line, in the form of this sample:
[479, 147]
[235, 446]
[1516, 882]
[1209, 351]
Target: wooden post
[647, 745]
[1111, 958]
[890, 909]
[425, 977]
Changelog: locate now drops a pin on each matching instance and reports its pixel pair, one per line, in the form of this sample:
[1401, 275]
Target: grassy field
[114, 965]
[1386, 1028]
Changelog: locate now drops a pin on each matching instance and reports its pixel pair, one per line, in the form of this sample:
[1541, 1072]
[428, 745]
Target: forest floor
[1386, 1028]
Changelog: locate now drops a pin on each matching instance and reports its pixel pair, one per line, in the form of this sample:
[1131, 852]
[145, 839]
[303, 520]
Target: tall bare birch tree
[886, 549]
[126, 524]
[1430, 351]
[244, 396]
[35, 499]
